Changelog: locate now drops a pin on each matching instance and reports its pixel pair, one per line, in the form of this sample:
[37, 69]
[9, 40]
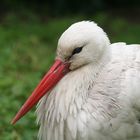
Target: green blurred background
[29, 31]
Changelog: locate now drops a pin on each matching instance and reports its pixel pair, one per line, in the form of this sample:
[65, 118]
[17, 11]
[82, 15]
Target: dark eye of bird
[77, 50]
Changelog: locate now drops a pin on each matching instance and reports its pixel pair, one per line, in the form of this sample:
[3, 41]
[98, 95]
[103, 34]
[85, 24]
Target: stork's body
[99, 99]
[96, 102]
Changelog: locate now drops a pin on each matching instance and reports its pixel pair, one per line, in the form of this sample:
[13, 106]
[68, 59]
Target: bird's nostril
[69, 57]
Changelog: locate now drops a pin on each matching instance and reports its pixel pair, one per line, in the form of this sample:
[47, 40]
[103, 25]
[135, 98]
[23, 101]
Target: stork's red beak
[56, 72]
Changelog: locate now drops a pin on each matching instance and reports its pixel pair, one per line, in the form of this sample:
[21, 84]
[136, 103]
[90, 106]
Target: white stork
[92, 92]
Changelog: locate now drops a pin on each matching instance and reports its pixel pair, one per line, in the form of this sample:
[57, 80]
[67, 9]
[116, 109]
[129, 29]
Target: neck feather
[69, 94]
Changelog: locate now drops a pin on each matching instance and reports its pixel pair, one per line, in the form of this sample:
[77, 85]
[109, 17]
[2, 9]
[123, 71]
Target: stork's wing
[130, 88]
[129, 64]
[116, 93]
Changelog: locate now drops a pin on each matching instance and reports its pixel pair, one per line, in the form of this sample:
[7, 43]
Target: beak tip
[13, 121]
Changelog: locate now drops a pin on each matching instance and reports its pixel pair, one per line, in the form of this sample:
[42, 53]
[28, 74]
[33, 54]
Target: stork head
[81, 44]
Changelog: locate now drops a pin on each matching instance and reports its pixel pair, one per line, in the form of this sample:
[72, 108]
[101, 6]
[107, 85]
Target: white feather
[100, 98]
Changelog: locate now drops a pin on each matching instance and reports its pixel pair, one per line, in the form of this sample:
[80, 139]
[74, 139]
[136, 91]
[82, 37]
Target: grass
[27, 48]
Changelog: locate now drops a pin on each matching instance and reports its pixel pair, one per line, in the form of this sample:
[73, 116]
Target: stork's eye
[77, 50]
